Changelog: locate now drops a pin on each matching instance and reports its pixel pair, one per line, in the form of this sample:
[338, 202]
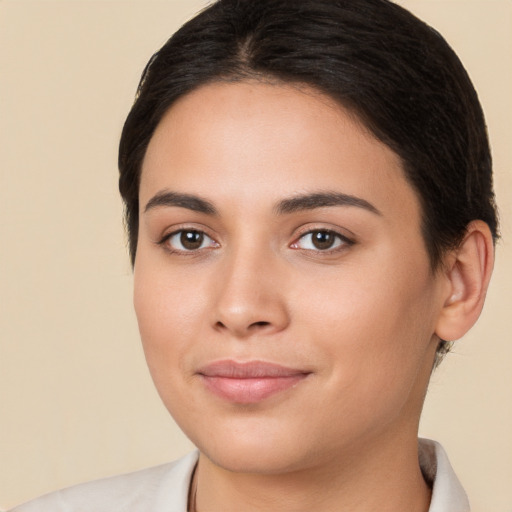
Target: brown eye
[191, 240]
[321, 240]
[187, 240]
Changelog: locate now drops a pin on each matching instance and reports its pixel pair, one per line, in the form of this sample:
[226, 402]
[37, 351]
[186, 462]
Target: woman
[309, 201]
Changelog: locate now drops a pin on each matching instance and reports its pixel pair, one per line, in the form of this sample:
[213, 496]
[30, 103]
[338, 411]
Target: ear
[468, 270]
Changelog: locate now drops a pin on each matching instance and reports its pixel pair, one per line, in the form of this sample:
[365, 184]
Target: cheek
[367, 306]
[169, 311]
[375, 331]
[168, 314]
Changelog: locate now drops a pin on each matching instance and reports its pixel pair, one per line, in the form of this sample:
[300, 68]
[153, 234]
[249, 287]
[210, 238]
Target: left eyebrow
[322, 200]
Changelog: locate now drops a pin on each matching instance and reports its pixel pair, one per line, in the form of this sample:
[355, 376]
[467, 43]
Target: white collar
[447, 492]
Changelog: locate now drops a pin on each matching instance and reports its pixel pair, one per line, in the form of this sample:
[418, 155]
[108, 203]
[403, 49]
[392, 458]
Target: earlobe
[468, 272]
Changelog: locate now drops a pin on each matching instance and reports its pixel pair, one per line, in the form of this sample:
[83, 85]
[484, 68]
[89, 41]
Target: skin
[361, 319]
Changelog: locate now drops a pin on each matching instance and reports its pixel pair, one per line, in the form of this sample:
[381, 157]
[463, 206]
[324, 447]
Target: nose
[250, 295]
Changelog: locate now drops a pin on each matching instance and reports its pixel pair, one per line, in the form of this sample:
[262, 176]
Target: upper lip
[248, 370]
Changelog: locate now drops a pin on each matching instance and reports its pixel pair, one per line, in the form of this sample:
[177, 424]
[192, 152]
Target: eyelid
[346, 241]
[164, 239]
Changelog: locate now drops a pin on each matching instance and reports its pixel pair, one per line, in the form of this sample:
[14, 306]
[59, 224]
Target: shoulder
[157, 489]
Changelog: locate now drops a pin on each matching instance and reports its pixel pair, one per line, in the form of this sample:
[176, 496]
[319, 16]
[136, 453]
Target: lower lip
[250, 390]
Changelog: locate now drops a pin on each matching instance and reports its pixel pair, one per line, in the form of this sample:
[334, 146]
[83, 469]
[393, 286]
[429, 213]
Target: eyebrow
[286, 206]
[188, 201]
[322, 200]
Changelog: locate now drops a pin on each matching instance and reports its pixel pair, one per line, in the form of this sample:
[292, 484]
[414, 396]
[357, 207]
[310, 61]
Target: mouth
[249, 382]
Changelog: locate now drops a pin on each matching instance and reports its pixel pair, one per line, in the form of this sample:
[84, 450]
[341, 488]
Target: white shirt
[165, 488]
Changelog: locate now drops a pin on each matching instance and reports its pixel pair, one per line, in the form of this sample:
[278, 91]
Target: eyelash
[342, 242]
[165, 241]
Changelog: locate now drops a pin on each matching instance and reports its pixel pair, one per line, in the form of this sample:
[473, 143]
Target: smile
[251, 382]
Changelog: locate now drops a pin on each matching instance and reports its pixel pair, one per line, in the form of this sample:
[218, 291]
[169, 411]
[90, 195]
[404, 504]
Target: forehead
[250, 140]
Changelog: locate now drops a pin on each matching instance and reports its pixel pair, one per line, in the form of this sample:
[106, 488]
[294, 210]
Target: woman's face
[282, 287]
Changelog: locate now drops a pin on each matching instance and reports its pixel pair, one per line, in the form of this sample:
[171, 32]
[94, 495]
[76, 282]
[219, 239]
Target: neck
[383, 479]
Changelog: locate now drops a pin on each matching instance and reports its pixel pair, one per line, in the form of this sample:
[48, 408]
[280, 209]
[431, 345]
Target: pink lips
[249, 383]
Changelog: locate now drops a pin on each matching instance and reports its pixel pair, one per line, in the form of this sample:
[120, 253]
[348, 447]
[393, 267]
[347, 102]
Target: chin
[241, 458]
[252, 447]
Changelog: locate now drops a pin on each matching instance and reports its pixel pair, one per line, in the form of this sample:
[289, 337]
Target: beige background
[76, 401]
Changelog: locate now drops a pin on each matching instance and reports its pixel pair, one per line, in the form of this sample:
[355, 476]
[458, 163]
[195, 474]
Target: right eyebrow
[188, 201]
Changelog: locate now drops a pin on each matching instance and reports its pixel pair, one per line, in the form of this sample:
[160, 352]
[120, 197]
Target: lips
[251, 382]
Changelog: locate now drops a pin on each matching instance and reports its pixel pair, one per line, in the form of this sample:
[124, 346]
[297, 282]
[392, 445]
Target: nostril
[259, 324]
[251, 327]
